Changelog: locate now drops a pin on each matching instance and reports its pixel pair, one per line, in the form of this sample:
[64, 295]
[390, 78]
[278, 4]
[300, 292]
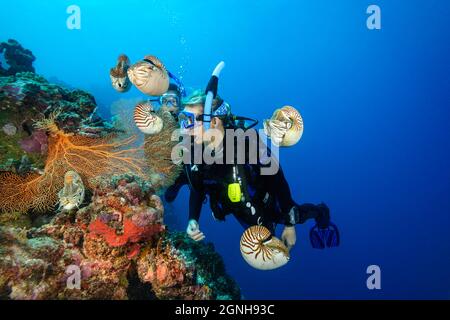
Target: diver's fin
[324, 237]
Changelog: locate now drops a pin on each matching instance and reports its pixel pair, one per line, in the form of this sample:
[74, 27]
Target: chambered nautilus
[261, 250]
[118, 74]
[149, 76]
[146, 119]
[285, 128]
[72, 194]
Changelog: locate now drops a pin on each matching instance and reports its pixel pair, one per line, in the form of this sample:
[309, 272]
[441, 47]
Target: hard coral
[31, 268]
[178, 268]
[150, 263]
[16, 57]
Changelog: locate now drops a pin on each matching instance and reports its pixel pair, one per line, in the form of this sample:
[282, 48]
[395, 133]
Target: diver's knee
[323, 217]
[299, 214]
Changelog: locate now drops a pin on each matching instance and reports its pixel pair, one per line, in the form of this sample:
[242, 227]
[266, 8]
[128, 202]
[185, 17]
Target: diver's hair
[175, 88]
[199, 97]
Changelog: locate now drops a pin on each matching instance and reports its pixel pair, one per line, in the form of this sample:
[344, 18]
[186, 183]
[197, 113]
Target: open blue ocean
[375, 105]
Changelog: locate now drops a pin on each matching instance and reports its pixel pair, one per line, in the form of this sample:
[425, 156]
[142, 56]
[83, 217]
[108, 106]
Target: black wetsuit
[266, 201]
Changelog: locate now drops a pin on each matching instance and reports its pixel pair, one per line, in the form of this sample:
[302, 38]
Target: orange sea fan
[158, 151]
[90, 157]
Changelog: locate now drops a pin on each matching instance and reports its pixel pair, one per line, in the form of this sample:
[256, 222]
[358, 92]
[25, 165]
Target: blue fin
[328, 237]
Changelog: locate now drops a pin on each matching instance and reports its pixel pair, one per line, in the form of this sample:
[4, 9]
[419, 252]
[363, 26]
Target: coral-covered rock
[180, 268]
[120, 246]
[31, 96]
[32, 268]
[124, 215]
[16, 58]
[26, 97]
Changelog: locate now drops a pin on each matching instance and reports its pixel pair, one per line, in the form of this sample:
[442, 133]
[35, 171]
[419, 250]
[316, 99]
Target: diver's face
[170, 99]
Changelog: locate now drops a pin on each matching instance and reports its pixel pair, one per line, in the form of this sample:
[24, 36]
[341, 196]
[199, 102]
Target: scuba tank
[238, 189]
[234, 188]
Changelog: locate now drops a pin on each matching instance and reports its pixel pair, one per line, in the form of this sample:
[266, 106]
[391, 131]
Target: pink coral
[37, 142]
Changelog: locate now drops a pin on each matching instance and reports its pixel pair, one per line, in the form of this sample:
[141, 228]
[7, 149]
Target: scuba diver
[241, 189]
[171, 100]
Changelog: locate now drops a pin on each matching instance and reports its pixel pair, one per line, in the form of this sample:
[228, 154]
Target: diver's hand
[289, 237]
[193, 231]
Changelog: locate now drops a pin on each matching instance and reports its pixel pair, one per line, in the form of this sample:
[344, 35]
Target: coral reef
[16, 57]
[31, 96]
[120, 247]
[26, 97]
[89, 157]
[179, 268]
[158, 153]
[54, 146]
[32, 268]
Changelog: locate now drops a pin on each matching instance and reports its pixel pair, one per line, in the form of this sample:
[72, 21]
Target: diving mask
[170, 100]
[187, 120]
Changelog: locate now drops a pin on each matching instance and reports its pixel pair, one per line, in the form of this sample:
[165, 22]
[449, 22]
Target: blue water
[376, 106]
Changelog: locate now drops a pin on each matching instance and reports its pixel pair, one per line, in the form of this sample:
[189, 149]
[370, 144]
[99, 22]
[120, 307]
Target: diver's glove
[193, 231]
[289, 236]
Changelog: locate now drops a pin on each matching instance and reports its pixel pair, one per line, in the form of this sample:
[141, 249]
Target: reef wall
[26, 97]
[117, 241]
[115, 244]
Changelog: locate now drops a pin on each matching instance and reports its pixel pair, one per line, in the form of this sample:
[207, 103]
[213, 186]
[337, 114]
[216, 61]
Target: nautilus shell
[150, 78]
[72, 194]
[146, 119]
[262, 251]
[285, 128]
[119, 76]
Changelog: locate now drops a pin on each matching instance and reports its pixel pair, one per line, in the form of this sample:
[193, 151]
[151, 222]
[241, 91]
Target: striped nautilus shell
[146, 119]
[261, 250]
[285, 128]
[149, 78]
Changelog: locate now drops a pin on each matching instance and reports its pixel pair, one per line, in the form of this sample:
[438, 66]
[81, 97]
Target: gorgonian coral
[90, 157]
[158, 152]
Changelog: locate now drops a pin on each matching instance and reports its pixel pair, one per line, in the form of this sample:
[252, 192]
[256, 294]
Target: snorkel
[211, 93]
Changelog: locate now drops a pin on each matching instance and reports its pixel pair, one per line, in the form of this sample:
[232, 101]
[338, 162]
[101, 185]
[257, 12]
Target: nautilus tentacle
[149, 77]
[261, 250]
[146, 119]
[285, 128]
